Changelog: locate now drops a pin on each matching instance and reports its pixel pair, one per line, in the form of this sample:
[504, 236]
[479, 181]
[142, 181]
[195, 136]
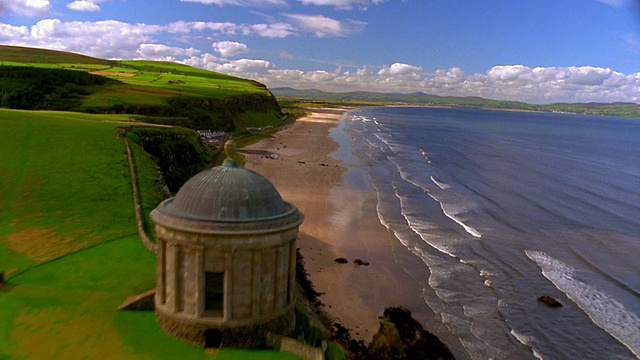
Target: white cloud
[323, 26]
[621, 3]
[115, 39]
[585, 75]
[163, 52]
[9, 32]
[285, 76]
[259, 3]
[509, 82]
[105, 39]
[342, 4]
[206, 61]
[243, 66]
[277, 30]
[449, 77]
[83, 5]
[321, 76]
[400, 70]
[230, 48]
[184, 27]
[25, 7]
[507, 73]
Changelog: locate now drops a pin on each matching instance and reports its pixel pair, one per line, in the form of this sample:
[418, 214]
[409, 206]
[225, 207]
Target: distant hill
[39, 79]
[365, 96]
[420, 98]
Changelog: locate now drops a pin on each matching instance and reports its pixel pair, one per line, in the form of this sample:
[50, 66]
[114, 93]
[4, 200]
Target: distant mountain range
[421, 98]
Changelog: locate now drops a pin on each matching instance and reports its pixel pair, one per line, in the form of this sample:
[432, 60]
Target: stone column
[162, 268]
[292, 271]
[279, 288]
[200, 291]
[226, 302]
[255, 282]
[177, 274]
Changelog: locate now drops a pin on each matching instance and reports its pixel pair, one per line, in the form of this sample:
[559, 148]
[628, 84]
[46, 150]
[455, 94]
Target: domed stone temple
[226, 259]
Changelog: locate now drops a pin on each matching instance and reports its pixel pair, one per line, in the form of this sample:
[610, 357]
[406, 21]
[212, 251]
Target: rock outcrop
[401, 337]
[548, 301]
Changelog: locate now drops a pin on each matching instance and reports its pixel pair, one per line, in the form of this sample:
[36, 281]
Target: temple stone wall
[226, 258]
[254, 335]
[259, 278]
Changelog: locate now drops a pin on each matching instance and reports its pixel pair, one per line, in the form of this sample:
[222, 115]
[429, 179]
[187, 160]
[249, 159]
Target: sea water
[503, 207]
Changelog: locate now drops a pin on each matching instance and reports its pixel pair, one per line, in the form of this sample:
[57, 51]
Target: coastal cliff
[400, 336]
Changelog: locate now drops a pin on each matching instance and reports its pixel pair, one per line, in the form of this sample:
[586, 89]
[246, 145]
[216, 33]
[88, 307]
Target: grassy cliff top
[38, 79]
[138, 81]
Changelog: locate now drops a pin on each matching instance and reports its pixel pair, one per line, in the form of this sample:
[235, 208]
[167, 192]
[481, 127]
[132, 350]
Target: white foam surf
[467, 228]
[441, 185]
[604, 311]
[447, 210]
[525, 340]
[426, 156]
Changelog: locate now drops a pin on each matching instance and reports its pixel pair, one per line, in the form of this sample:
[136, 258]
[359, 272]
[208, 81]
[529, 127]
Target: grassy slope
[68, 242]
[145, 82]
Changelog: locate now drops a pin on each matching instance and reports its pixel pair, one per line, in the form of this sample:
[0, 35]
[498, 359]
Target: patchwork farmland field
[177, 79]
[38, 79]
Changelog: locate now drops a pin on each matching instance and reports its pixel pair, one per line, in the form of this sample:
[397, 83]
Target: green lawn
[69, 247]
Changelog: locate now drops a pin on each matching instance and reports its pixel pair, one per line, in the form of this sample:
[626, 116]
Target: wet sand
[341, 220]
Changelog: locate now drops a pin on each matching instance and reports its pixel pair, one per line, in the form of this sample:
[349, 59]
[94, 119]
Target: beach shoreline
[478, 297]
[341, 221]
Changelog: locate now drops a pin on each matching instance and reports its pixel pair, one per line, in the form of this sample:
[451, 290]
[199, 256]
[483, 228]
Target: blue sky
[535, 50]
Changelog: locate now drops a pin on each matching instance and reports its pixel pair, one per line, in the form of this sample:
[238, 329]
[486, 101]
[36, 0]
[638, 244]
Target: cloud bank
[119, 40]
[25, 7]
[507, 82]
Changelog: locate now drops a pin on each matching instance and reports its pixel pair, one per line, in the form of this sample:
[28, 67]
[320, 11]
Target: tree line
[30, 88]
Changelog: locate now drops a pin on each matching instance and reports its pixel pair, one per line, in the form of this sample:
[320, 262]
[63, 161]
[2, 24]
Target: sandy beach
[340, 221]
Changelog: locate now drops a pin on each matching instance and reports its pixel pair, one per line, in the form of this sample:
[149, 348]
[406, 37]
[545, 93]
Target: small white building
[209, 134]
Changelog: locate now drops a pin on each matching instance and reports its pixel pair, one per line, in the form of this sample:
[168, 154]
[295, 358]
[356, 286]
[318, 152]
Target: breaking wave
[604, 311]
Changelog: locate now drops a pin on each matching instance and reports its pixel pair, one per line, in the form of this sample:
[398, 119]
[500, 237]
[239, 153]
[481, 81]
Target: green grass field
[69, 247]
[144, 82]
[38, 79]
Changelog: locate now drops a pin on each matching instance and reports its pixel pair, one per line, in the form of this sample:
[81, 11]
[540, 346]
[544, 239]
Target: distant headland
[354, 98]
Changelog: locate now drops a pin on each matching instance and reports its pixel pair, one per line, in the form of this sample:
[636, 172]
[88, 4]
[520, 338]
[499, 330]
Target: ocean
[502, 207]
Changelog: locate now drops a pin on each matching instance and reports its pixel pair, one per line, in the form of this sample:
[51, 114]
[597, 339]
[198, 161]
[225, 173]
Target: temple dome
[226, 193]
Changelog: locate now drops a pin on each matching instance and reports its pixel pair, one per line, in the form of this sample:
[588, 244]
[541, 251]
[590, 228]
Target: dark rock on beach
[359, 262]
[400, 336]
[549, 301]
